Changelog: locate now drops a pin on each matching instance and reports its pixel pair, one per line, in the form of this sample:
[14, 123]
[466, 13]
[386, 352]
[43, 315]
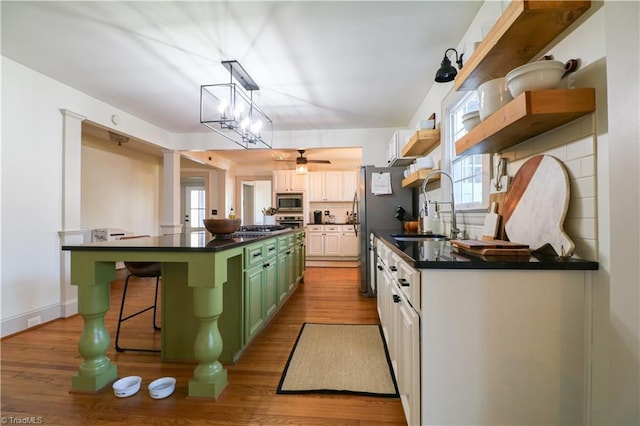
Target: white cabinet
[400, 325]
[349, 242]
[289, 181]
[332, 185]
[394, 149]
[324, 241]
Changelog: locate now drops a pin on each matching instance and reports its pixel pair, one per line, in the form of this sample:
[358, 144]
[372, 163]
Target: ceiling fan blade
[319, 161]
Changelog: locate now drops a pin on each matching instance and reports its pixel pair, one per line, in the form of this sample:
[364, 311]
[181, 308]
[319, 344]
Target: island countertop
[441, 255]
[195, 241]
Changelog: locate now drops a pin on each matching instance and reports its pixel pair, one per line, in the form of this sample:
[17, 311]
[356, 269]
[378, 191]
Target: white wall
[121, 188]
[32, 193]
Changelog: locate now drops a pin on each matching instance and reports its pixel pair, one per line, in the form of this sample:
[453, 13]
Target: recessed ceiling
[319, 64]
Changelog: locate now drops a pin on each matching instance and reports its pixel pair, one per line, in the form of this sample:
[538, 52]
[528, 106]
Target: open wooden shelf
[528, 115]
[421, 143]
[418, 177]
[522, 31]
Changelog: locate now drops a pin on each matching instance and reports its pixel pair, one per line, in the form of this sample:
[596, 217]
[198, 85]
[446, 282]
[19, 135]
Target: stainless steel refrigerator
[376, 213]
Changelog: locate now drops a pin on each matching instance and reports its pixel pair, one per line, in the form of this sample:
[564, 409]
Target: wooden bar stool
[140, 270]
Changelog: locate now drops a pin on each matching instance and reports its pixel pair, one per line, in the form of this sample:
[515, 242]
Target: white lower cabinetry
[487, 346]
[332, 242]
[401, 326]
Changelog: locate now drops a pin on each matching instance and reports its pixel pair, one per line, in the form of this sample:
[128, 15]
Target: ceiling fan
[302, 160]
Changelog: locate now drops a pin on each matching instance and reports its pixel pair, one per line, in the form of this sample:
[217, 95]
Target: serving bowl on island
[222, 228]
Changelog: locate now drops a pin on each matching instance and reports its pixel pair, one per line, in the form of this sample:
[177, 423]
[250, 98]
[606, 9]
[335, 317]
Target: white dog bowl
[492, 95]
[127, 386]
[471, 120]
[162, 387]
[541, 75]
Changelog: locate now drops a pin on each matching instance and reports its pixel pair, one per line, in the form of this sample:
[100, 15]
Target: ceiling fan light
[301, 169]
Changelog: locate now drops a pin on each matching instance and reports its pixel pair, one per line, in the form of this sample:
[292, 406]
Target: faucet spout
[454, 226]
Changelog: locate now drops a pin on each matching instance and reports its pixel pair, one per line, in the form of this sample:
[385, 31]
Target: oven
[290, 220]
[289, 202]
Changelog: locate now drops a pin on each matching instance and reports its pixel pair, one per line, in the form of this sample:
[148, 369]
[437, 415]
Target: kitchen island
[501, 340]
[195, 270]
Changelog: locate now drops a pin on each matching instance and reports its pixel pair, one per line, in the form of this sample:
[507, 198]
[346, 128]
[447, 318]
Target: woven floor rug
[339, 358]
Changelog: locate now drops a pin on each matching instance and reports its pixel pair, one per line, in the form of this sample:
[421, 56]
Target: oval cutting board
[536, 205]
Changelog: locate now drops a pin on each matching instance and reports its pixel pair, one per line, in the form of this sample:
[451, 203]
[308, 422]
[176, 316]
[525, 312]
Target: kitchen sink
[419, 237]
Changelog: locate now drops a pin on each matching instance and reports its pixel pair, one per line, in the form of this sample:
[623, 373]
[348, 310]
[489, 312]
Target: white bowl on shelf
[492, 95]
[540, 75]
[424, 163]
[471, 120]
[127, 386]
[162, 387]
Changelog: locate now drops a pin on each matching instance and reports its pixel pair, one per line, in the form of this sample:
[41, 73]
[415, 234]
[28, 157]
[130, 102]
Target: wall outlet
[214, 212]
[34, 321]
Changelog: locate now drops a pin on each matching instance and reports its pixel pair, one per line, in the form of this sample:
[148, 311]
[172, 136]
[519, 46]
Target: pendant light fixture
[228, 110]
[447, 72]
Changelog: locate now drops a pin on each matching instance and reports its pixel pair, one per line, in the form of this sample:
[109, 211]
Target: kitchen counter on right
[441, 255]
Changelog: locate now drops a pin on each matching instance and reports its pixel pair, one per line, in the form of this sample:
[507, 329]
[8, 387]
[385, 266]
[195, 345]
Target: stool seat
[140, 270]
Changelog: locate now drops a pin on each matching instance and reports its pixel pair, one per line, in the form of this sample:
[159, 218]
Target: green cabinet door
[270, 286]
[254, 307]
[283, 276]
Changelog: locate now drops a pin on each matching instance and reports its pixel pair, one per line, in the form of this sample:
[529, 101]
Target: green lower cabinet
[270, 286]
[283, 276]
[254, 306]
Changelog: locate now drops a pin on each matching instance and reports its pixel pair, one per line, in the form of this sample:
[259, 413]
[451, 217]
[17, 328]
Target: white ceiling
[319, 64]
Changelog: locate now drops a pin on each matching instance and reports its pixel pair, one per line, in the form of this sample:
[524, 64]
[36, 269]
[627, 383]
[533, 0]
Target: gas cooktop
[260, 230]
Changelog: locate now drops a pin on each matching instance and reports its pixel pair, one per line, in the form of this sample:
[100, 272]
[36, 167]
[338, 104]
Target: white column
[170, 221]
[71, 232]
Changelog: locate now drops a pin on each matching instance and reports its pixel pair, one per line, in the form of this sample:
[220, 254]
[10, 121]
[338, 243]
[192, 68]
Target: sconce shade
[448, 72]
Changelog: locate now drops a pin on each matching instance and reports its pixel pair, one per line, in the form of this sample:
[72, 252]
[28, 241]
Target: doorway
[193, 196]
[248, 203]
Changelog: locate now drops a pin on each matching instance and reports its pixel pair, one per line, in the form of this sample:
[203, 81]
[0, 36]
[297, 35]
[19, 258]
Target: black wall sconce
[447, 72]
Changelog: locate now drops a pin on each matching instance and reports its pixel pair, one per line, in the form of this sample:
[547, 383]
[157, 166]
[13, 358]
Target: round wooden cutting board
[536, 205]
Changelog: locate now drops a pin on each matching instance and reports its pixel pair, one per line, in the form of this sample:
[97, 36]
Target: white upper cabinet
[289, 181]
[332, 186]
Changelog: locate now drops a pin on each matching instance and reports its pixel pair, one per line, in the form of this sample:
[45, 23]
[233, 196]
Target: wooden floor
[37, 366]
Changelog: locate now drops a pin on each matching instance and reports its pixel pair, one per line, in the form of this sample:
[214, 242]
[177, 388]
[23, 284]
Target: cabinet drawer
[270, 248]
[409, 280]
[283, 244]
[314, 228]
[254, 255]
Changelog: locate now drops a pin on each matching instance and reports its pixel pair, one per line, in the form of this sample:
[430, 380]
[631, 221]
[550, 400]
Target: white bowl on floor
[162, 387]
[127, 386]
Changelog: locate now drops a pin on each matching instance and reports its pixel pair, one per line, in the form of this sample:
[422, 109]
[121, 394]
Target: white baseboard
[25, 321]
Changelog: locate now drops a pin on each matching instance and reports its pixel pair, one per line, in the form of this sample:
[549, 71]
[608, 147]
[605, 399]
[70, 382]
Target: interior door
[193, 206]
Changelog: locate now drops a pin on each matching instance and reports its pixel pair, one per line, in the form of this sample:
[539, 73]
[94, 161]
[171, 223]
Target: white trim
[18, 323]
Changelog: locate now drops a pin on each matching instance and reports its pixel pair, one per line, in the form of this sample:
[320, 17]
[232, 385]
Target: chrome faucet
[454, 227]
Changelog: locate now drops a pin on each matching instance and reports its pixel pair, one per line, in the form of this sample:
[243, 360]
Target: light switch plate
[504, 185]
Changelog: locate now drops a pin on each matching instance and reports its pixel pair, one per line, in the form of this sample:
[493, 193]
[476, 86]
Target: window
[470, 173]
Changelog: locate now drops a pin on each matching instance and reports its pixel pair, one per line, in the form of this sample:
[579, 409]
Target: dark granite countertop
[440, 255]
[196, 241]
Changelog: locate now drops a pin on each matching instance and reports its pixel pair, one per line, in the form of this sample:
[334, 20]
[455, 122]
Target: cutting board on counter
[536, 205]
[491, 247]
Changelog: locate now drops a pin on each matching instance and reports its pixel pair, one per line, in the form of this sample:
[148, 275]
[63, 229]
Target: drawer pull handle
[396, 298]
[257, 254]
[404, 283]
[393, 269]
[380, 268]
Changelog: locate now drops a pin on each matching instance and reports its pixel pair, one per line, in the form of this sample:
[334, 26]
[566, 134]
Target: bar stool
[140, 270]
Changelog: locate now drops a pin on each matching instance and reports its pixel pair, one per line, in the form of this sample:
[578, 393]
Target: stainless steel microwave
[289, 202]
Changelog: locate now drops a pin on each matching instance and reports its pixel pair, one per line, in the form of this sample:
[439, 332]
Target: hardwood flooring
[37, 366]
